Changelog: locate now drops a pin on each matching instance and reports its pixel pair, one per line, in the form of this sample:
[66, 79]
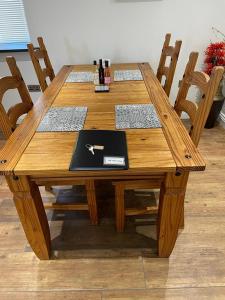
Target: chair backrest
[38, 54]
[198, 112]
[168, 71]
[8, 119]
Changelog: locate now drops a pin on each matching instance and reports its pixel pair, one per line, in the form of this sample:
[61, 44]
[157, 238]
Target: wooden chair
[8, 123]
[8, 120]
[169, 71]
[198, 114]
[41, 54]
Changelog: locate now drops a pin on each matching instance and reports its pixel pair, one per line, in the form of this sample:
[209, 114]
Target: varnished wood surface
[40, 156]
[21, 137]
[160, 150]
[30, 209]
[185, 154]
[194, 271]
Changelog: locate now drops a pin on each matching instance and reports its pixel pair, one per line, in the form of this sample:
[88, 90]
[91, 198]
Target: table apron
[81, 180]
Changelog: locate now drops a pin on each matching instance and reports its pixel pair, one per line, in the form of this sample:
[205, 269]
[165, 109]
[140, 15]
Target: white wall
[78, 31]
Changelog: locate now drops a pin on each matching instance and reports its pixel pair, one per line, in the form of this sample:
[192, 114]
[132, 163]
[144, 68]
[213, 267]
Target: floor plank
[26, 272]
[65, 295]
[167, 294]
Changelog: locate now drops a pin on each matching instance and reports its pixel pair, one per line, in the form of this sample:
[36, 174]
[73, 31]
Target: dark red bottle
[101, 72]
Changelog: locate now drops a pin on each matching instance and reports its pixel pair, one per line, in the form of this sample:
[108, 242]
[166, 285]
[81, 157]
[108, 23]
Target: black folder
[112, 157]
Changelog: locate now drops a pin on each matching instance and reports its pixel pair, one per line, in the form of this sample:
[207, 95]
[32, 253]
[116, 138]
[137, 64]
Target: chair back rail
[169, 71]
[9, 119]
[208, 85]
[37, 55]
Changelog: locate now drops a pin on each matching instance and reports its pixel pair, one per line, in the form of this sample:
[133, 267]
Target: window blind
[14, 34]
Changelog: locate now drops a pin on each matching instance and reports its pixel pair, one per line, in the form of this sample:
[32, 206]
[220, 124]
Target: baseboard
[222, 119]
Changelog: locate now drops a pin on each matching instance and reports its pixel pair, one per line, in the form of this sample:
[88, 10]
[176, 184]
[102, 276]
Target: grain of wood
[185, 154]
[30, 209]
[20, 138]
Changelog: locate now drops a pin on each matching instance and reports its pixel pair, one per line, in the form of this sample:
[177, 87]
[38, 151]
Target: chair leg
[91, 198]
[120, 212]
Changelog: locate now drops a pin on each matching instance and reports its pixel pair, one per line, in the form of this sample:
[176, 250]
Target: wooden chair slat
[190, 108]
[200, 79]
[6, 83]
[39, 54]
[166, 71]
[168, 51]
[150, 210]
[70, 207]
[46, 72]
[18, 110]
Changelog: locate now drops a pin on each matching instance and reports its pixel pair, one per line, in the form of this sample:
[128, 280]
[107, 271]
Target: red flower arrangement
[215, 52]
[215, 56]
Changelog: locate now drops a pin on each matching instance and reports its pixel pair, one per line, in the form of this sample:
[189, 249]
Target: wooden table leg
[171, 203]
[91, 198]
[32, 215]
[182, 198]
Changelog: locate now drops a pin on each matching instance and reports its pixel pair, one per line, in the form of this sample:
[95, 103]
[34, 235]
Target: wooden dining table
[30, 159]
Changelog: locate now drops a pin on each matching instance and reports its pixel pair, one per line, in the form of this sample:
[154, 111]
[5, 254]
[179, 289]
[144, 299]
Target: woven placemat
[136, 116]
[123, 75]
[80, 77]
[63, 119]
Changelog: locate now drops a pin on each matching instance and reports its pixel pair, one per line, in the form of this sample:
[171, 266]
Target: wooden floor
[95, 263]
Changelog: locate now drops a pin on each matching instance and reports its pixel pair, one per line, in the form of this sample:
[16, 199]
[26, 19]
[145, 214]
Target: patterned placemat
[136, 116]
[127, 75]
[80, 77]
[63, 119]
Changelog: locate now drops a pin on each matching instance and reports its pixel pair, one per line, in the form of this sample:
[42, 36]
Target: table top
[153, 150]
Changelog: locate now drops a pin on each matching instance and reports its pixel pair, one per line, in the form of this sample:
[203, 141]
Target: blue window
[14, 34]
